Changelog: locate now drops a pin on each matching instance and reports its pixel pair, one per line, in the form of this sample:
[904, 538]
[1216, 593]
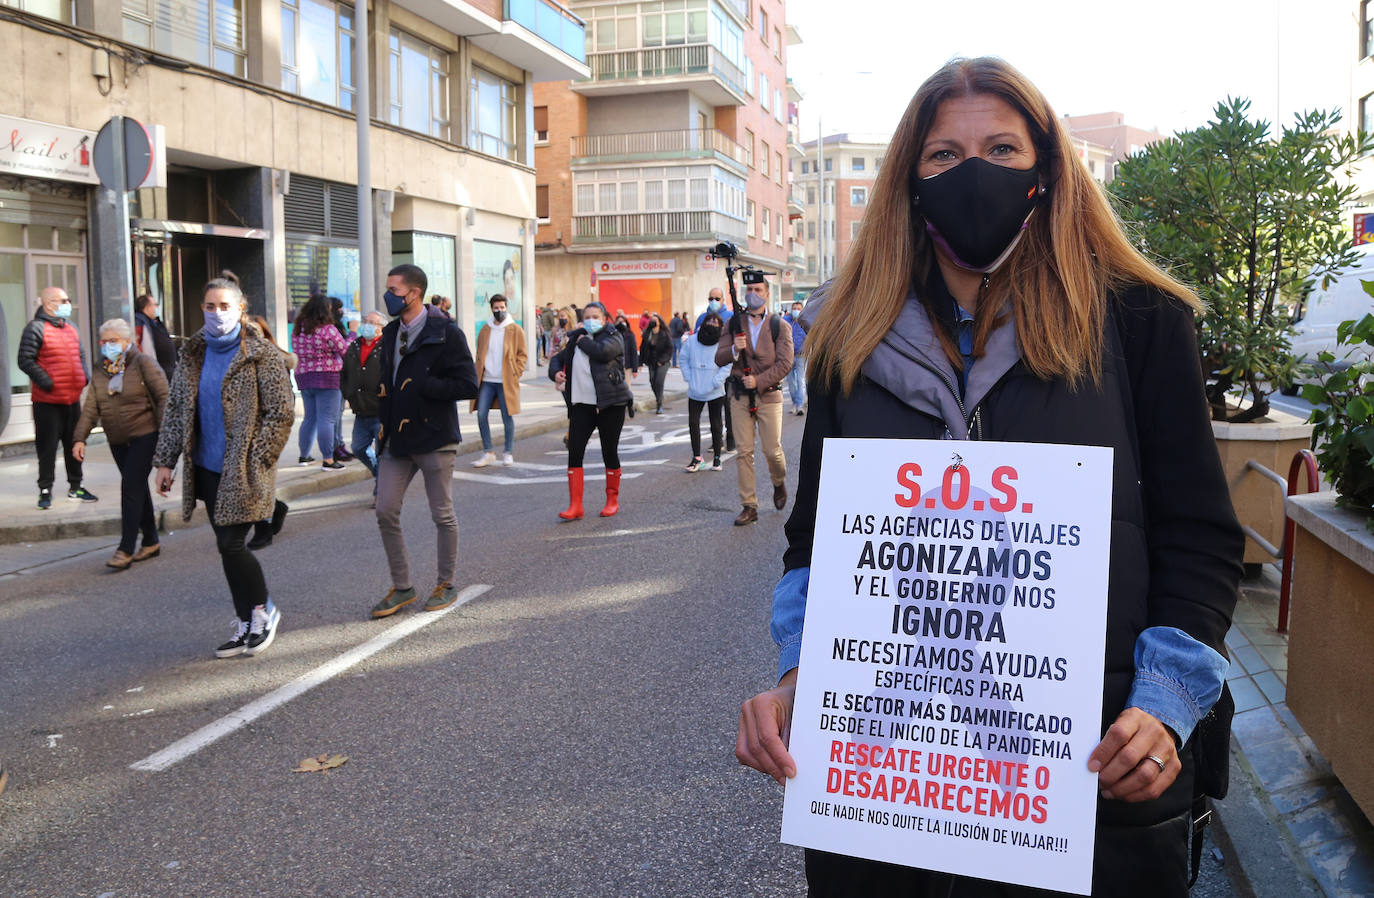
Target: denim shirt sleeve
[1177, 678]
[789, 611]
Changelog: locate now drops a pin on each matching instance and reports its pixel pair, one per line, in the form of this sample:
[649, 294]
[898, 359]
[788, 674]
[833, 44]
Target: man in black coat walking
[426, 367]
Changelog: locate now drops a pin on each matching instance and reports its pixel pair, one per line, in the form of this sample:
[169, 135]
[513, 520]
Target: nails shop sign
[41, 150]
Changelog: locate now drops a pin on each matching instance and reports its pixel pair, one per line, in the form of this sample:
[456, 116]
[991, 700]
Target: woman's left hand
[1124, 760]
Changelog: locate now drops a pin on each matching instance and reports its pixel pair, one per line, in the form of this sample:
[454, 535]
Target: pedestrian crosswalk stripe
[213, 732]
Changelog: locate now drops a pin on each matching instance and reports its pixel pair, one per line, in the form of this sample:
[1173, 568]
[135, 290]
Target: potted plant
[1343, 422]
[1250, 221]
[1331, 622]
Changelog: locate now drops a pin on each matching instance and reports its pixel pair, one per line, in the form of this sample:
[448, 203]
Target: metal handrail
[1305, 459]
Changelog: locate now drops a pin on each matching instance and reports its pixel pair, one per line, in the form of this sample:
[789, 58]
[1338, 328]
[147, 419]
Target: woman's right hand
[79, 450]
[164, 481]
[765, 726]
[559, 377]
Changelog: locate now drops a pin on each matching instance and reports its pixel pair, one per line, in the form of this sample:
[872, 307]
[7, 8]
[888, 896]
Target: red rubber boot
[574, 511]
[612, 492]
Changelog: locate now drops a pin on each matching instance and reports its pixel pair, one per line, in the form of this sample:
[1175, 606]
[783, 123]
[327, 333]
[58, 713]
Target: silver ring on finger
[1159, 761]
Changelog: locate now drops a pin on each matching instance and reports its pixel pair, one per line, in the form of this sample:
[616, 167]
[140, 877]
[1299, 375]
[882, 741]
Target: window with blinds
[206, 32]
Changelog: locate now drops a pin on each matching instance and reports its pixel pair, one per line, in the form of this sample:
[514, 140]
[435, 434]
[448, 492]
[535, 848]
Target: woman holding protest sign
[992, 295]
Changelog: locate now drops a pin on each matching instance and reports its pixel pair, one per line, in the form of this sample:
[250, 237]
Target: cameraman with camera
[759, 352]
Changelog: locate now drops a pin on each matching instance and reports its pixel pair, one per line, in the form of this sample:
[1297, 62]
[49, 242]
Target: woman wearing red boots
[591, 370]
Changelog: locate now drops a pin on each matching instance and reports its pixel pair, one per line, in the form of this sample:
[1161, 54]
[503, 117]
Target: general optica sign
[633, 267]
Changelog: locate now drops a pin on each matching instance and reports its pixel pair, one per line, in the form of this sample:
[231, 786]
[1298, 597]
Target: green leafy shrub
[1343, 437]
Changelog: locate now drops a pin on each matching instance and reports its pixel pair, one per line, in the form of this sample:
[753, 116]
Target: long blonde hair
[1056, 282]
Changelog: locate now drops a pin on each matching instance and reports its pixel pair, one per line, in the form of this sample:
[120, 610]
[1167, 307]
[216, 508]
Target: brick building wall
[567, 117]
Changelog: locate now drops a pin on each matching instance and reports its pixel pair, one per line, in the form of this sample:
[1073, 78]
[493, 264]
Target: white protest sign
[950, 686]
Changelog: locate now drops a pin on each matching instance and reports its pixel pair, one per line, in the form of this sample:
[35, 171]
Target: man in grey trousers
[426, 369]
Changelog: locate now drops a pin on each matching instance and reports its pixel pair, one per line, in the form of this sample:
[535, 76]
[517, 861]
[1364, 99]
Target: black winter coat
[631, 352]
[418, 405]
[1176, 546]
[606, 353]
[361, 383]
[656, 348]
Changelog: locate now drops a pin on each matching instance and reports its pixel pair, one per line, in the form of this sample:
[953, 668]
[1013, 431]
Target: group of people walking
[221, 410]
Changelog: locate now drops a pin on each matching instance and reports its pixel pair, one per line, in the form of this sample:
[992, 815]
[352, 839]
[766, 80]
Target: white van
[1345, 299]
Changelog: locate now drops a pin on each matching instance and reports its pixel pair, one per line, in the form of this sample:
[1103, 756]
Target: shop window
[492, 104]
[317, 48]
[434, 253]
[419, 86]
[207, 32]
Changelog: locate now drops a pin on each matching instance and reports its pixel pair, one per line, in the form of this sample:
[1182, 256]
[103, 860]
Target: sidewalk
[21, 521]
[1283, 793]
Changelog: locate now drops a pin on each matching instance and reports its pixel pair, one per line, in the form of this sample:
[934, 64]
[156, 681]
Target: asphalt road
[569, 731]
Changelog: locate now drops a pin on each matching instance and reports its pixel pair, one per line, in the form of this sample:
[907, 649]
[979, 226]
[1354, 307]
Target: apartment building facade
[675, 141]
[1104, 139]
[834, 179]
[1359, 117]
[254, 102]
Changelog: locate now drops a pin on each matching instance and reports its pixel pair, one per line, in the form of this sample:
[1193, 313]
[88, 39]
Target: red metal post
[1302, 459]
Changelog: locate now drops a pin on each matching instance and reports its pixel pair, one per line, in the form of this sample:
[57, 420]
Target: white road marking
[507, 481]
[212, 732]
[534, 466]
[52, 739]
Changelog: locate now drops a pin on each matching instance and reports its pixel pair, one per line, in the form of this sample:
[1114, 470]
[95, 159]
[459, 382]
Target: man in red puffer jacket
[50, 354]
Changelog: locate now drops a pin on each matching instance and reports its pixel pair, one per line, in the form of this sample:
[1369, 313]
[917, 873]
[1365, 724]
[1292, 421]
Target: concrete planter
[1271, 442]
[1331, 638]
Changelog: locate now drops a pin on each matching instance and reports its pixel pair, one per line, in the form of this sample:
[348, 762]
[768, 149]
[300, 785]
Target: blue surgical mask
[64, 310]
[367, 330]
[111, 351]
[394, 304]
[593, 325]
[713, 305]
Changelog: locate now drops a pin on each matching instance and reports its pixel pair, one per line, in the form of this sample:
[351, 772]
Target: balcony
[658, 146]
[700, 68]
[553, 23]
[657, 227]
[539, 36]
[796, 202]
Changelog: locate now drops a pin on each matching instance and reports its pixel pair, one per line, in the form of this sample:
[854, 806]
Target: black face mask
[977, 209]
[499, 315]
[709, 334]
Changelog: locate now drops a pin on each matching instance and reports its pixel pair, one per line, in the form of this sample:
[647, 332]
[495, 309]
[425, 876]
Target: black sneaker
[236, 645]
[263, 628]
[333, 465]
[262, 536]
[81, 494]
[342, 454]
[45, 499]
[279, 511]
[695, 465]
[716, 465]
[305, 460]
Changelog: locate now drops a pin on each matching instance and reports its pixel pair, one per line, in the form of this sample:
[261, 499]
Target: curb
[1248, 831]
[170, 518]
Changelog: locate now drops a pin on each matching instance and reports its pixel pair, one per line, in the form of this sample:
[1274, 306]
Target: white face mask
[222, 323]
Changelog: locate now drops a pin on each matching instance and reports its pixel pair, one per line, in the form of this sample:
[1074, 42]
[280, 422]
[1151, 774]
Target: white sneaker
[263, 628]
[487, 458]
[508, 459]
